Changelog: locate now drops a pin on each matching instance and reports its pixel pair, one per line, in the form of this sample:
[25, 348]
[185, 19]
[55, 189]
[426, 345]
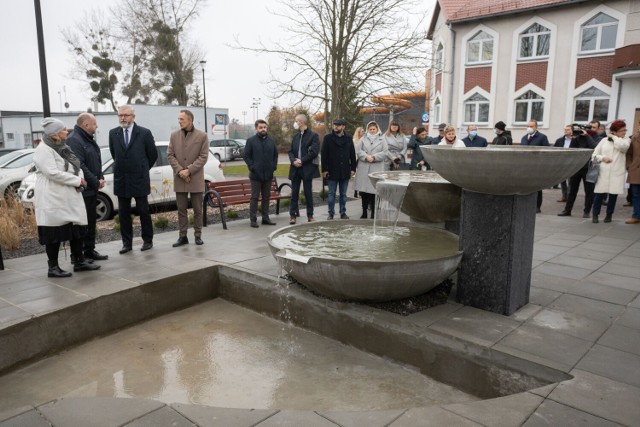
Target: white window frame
[439, 59]
[529, 103]
[481, 49]
[598, 28]
[536, 37]
[477, 110]
[437, 111]
[592, 84]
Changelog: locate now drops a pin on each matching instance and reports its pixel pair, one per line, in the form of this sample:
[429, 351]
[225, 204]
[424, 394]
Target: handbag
[593, 172]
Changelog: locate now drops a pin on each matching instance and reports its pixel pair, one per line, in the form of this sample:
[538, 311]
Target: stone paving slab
[206, 416]
[432, 416]
[356, 419]
[514, 410]
[570, 323]
[611, 363]
[630, 318]
[164, 416]
[551, 413]
[587, 307]
[296, 419]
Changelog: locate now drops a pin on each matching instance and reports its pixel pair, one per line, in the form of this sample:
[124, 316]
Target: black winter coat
[338, 156]
[310, 151]
[131, 164]
[87, 151]
[504, 138]
[261, 156]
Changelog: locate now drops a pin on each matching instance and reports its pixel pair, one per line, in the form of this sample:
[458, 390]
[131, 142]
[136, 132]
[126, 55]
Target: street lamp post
[256, 102]
[244, 123]
[204, 92]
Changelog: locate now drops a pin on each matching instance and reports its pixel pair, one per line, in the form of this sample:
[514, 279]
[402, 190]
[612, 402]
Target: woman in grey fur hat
[60, 211]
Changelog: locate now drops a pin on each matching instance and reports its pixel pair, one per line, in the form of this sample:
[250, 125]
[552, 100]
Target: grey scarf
[65, 152]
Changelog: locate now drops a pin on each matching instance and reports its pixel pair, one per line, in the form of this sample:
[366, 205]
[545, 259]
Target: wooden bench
[227, 193]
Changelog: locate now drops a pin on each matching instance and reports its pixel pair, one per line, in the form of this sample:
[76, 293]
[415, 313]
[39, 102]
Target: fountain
[429, 198]
[498, 215]
[344, 260]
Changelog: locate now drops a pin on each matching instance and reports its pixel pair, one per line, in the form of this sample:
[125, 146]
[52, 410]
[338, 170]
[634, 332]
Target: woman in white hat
[60, 211]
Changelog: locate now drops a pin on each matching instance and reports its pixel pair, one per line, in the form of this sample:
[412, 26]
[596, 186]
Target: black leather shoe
[564, 213]
[146, 246]
[268, 222]
[75, 260]
[125, 249]
[607, 218]
[182, 240]
[95, 255]
[85, 266]
[56, 271]
[199, 241]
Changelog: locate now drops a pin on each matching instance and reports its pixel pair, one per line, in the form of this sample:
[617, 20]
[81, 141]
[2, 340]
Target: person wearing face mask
[473, 139]
[503, 136]
[303, 156]
[535, 138]
[450, 138]
[134, 153]
[372, 152]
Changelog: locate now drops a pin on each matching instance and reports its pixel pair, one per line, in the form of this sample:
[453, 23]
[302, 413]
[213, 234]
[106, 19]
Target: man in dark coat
[261, 156]
[338, 165]
[134, 153]
[535, 138]
[303, 155]
[473, 139]
[86, 149]
[564, 142]
[580, 139]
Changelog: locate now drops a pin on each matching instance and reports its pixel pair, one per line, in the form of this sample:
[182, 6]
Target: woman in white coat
[397, 145]
[60, 212]
[610, 154]
[372, 153]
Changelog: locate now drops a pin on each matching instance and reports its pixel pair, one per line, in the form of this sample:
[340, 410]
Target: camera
[396, 161]
[578, 129]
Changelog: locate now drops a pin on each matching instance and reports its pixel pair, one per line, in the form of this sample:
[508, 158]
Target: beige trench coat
[188, 152]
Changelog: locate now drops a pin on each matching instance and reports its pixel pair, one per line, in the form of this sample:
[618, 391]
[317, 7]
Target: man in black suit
[303, 155]
[535, 138]
[564, 142]
[134, 152]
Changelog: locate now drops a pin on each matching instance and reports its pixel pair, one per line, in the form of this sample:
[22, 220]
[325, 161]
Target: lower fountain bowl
[429, 197]
[395, 277]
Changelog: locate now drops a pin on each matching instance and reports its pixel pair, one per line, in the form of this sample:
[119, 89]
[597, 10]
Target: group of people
[69, 176]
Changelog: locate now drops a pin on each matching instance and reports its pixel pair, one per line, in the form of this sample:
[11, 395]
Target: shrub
[323, 193]
[231, 214]
[161, 222]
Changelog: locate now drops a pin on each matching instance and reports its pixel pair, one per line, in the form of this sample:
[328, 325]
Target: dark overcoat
[261, 156]
[132, 163]
[338, 156]
[310, 151]
[87, 151]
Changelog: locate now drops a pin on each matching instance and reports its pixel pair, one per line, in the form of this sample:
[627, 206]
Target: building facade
[559, 62]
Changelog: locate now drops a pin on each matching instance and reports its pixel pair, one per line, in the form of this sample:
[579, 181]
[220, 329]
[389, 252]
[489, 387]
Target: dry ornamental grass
[15, 221]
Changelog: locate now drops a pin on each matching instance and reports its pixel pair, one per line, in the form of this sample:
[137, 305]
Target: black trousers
[307, 185]
[126, 225]
[89, 243]
[259, 188]
[574, 187]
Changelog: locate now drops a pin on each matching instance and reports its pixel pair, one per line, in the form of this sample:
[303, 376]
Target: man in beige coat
[187, 153]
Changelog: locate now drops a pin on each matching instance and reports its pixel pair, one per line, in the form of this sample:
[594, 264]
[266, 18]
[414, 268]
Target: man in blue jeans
[338, 157]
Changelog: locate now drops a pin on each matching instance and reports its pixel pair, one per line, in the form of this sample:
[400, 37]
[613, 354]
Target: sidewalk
[583, 318]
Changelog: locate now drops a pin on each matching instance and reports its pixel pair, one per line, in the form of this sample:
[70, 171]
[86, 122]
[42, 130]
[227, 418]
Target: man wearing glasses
[134, 152]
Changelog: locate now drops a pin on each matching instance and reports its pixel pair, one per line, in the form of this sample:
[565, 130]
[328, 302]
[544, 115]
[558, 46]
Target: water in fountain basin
[389, 197]
[358, 242]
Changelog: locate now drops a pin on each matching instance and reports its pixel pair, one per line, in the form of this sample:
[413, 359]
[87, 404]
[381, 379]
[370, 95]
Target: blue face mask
[473, 134]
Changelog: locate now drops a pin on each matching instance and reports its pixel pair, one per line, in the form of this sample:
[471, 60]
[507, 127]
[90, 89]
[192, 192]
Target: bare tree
[340, 52]
[139, 49]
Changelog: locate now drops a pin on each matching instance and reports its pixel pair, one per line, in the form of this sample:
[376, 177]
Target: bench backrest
[238, 191]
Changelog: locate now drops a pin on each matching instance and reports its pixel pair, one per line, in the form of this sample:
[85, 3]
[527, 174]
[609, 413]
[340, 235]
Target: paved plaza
[583, 319]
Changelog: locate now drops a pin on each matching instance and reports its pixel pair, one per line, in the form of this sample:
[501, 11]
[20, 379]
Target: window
[437, 110]
[534, 42]
[10, 137]
[27, 140]
[476, 109]
[598, 34]
[529, 106]
[592, 104]
[438, 62]
[480, 48]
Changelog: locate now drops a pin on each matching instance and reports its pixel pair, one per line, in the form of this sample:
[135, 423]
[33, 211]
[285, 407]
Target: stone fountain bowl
[505, 170]
[429, 197]
[345, 278]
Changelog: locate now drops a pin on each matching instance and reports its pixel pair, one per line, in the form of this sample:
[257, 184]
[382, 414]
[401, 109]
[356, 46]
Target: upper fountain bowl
[429, 197]
[505, 170]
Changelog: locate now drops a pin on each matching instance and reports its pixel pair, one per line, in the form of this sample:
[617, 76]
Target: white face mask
[529, 131]
[296, 126]
[495, 131]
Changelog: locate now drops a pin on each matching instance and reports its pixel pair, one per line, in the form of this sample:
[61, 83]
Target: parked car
[4, 151]
[161, 176]
[226, 149]
[14, 170]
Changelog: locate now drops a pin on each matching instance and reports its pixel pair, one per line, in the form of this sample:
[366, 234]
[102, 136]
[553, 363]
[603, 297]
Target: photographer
[580, 139]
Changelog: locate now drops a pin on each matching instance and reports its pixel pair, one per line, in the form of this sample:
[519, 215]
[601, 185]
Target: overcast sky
[233, 78]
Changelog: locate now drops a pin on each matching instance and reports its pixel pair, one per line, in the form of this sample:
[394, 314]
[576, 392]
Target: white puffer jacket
[611, 175]
[56, 200]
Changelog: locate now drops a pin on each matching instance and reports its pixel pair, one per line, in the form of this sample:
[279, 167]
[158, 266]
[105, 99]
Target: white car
[14, 167]
[161, 176]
